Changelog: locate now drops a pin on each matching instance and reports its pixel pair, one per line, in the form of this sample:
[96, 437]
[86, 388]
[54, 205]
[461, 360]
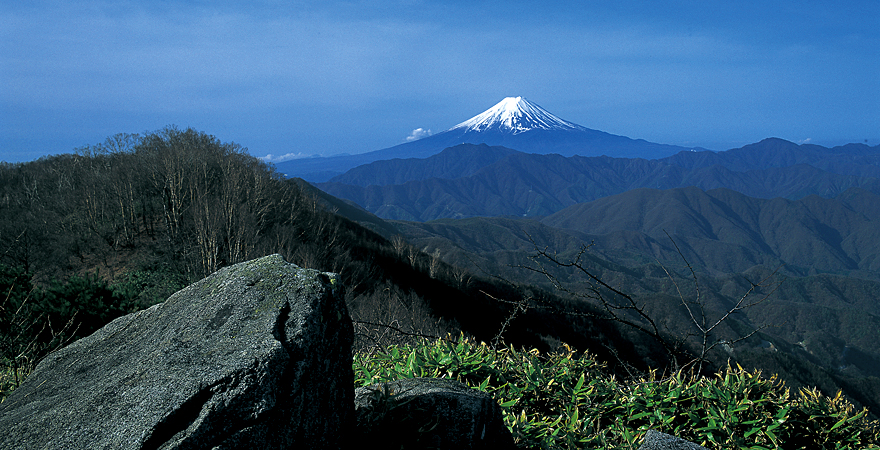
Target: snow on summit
[518, 115]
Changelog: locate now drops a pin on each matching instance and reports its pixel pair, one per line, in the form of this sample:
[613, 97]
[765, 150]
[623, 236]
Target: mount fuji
[514, 123]
[515, 115]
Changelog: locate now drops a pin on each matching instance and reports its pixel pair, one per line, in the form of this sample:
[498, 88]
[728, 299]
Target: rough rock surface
[421, 413]
[655, 440]
[257, 355]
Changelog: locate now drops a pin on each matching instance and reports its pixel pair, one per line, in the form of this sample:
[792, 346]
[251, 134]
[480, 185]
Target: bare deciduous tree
[388, 316]
[618, 306]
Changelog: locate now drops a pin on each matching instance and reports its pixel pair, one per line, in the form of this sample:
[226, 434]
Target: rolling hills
[719, 231]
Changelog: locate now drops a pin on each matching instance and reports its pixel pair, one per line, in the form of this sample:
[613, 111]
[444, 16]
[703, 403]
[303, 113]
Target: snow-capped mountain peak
[517, 115]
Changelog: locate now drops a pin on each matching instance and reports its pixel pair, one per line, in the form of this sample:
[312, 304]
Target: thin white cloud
[417, 134]
[285, 157]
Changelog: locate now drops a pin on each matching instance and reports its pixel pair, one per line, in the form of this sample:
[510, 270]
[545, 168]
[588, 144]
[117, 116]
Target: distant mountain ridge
[514, 123]
[520, 184]
[851, 159]
[454, 162]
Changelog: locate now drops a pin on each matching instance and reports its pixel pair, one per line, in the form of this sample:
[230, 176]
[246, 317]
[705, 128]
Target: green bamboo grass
[568, 401]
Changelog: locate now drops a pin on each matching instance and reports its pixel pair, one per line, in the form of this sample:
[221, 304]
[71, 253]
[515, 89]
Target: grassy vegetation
[568, 400]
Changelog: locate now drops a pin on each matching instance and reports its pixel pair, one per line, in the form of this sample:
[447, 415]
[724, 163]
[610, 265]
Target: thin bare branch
[620, 307]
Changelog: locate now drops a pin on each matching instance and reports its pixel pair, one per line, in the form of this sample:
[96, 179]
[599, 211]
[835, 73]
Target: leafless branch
[622, 308]
[398, 330]
[615, 303]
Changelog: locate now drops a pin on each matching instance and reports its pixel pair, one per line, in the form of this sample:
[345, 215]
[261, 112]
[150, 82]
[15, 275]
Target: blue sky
[324, 77]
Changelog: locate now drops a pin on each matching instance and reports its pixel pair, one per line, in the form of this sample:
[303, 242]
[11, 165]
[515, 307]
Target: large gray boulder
[418, 413]
[257, 355]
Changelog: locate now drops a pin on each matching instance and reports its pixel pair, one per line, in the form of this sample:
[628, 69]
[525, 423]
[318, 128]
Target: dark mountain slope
[347, 209]
[519, 185]
[793, 182]
[722, 230]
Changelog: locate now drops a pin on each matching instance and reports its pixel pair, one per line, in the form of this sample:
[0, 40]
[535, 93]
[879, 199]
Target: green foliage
[86, 301]
[34, 321]
[145, 288]
[567, 400]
